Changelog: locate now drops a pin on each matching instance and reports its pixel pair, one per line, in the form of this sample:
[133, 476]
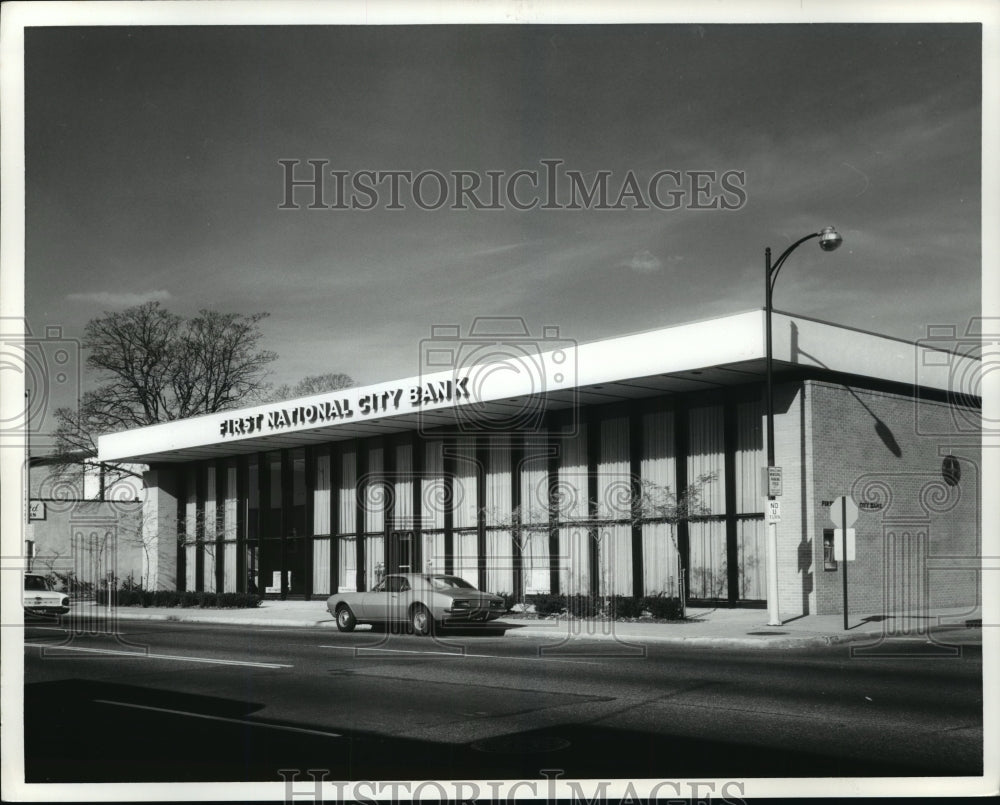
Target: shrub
[165, 598]
[68, 583]
[625, 606]
[238, 600]
[546, 603]
[664, 607]
[129, 598]
[582, 605]
[173, 598]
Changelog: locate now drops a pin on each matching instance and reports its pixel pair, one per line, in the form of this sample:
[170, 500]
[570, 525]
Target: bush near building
[660, 607]
[173, 598]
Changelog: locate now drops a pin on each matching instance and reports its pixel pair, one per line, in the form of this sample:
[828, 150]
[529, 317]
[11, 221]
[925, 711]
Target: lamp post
[829, 239]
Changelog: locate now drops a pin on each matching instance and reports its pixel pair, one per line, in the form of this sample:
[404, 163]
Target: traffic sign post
[844, 512]
[770, 481]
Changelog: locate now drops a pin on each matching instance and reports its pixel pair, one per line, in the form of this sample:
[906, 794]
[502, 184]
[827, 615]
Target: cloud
[644, 262]
[490, 251]
[112, 299]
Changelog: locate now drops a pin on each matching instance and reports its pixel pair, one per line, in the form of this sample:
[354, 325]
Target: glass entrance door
[400, 559]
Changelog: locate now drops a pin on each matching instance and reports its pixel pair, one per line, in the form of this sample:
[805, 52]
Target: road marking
[241, 721]
[462, 654]
[160, 656]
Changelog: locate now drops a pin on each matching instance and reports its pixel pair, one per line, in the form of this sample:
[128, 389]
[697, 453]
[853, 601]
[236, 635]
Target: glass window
[348, 549]
[706, 457]
[273, 530]
[297, 527]
[231, 503]
[321, 496]
[253, 501]
[449, 583]
[35, 583]
[347, 494]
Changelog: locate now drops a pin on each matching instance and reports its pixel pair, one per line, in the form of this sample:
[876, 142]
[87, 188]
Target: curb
[720, 642]
[137, 616]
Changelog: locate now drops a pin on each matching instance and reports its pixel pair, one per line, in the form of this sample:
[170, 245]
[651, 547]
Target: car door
[400, 596]
[373, 603]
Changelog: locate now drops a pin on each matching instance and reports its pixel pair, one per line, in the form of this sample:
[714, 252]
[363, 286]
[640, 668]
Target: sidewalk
[744, 628]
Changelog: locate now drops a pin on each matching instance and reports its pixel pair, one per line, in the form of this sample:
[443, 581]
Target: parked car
[422, 600]
[40, 598]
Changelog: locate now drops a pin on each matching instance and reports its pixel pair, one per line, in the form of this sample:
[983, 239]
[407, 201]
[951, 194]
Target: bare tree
[645, 503]
[312, 384]
[660, 504]
[155, 366]
[655, 503]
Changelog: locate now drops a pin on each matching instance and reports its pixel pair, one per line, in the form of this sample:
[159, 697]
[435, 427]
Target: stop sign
[837, 509]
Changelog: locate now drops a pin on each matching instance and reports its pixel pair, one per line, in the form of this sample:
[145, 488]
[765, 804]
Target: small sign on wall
[770, 480]
[36, 510]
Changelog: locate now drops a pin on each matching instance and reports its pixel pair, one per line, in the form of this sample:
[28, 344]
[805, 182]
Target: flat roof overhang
[699, 356]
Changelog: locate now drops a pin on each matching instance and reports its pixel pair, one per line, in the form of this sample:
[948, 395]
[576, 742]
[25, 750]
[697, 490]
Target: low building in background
[85, 523]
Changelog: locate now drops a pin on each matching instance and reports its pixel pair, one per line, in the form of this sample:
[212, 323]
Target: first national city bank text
[376, 402]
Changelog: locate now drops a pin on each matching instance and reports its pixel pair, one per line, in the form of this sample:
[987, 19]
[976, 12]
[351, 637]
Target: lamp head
[829, 239]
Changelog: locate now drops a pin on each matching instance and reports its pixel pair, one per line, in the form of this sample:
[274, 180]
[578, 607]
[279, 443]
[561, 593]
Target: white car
[423, 600]
[41, 599]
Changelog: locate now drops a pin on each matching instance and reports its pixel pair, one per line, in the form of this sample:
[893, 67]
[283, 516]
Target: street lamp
[829, 239]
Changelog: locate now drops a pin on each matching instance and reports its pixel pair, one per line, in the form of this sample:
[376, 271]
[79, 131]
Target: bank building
[529, 464]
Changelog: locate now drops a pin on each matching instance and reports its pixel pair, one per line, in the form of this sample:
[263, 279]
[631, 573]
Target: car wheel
[345, 619]
[421, 620]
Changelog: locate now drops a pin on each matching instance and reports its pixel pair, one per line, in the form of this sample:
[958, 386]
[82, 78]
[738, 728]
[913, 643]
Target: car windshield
[449, 583]
[35, 583]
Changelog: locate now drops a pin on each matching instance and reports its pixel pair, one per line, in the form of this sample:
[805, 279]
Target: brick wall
[89, 538]
[888, 455]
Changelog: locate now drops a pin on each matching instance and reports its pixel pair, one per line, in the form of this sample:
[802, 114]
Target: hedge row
[617, 606]
[172, 598]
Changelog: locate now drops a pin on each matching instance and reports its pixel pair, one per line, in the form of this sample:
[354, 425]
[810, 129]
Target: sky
[152, 160]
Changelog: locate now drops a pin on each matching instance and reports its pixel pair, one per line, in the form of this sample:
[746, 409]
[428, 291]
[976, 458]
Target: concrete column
[796, 548]
[159, 529]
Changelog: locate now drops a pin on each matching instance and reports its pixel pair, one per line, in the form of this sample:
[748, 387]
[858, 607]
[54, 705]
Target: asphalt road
[190, 702]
